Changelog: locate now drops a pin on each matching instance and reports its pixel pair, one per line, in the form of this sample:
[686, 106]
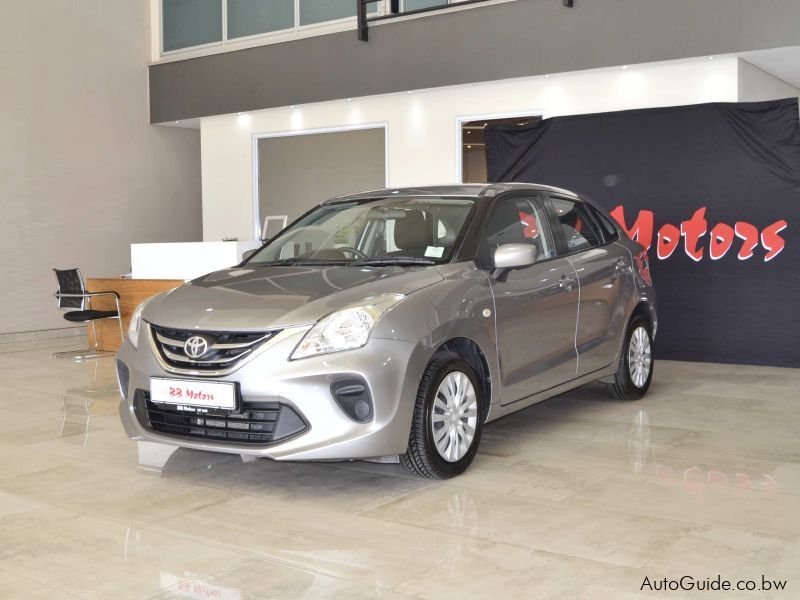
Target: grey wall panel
[82, 173]
[295, 173]
[515, 39]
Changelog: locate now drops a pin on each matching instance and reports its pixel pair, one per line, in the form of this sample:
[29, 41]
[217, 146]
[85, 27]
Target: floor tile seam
[692, 524]
[36, 581]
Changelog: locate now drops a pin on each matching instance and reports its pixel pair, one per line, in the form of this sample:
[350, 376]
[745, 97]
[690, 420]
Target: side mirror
[248, 253]
[514, 256]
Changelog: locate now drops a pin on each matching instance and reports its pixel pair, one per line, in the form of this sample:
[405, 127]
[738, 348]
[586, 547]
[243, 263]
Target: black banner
[713, 190]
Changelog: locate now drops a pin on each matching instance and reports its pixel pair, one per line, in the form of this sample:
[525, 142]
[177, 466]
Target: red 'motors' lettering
[771, 241]
[668, 238]
[721, 241]
[749, 234]
[642, 229]
[693, 230]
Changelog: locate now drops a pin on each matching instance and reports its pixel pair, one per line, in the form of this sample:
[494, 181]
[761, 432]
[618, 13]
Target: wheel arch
[644, 310]
[470, 351]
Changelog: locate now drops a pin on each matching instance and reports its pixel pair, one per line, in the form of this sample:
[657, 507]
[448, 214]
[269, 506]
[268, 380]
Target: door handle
[567, 282]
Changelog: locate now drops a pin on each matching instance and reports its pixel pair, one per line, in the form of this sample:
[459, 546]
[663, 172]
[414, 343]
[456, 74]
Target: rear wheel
[446, 427]
[635, 370]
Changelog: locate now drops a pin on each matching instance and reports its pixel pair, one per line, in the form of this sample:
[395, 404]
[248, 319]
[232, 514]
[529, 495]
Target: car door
[603, 268]
[536, 307]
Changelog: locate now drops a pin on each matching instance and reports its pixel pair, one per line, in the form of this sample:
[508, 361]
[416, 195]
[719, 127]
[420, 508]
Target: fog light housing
[353, 397]
[123, 378]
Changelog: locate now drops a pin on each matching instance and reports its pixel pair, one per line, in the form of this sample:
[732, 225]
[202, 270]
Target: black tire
[422, 457]
[623, 387]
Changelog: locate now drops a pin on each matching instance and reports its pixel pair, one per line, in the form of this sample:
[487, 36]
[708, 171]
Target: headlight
[133, 328]
[345, 329]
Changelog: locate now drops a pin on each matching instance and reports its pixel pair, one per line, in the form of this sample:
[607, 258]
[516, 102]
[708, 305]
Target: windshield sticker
[434, 251]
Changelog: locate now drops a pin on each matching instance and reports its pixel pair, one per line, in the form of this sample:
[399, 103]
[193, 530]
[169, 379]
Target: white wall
[756, 84]
[82, 173]
[422, 126]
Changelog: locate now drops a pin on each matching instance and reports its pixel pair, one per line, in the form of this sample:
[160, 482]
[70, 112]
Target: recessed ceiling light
[710, 58]
[547, 76]
[349, 99]
[624, 66]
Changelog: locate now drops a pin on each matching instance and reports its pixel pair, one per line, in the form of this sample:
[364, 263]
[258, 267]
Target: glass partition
[319, 11]
[188, 23]
[417, 4]
[252, 17]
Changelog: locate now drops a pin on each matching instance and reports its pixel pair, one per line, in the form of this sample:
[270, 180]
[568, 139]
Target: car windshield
[387, 231]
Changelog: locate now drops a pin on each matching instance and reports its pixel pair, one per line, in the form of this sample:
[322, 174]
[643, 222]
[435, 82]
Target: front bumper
[391, 369]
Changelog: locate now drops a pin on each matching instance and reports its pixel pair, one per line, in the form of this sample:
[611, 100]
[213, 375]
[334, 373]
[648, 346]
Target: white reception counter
[185, 260]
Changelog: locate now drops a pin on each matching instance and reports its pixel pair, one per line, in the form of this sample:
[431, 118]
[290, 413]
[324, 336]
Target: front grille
[258, 423]
[224, 348]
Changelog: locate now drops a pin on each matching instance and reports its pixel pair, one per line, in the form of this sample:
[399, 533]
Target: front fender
[460, 306]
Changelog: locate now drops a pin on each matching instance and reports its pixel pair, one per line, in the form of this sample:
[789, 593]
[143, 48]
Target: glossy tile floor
[577, 497]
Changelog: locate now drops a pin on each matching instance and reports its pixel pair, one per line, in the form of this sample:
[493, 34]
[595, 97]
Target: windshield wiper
[294, 261]
[391, 260]
[276, 263]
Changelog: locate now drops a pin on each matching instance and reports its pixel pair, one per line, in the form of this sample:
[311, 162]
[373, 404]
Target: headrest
[505, 226]
[413, 232]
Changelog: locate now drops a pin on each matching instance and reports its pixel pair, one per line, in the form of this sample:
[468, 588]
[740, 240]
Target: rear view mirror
[514, 256]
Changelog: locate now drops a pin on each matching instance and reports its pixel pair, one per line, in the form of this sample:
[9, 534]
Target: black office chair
[72, 294]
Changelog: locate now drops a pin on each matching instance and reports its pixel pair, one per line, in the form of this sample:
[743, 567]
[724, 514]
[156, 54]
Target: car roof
[467, 190]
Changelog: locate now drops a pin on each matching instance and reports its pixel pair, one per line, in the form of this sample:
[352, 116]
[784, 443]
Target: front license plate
[184, 392]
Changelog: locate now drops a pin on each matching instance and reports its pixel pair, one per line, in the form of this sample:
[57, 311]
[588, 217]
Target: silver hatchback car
[394, 323]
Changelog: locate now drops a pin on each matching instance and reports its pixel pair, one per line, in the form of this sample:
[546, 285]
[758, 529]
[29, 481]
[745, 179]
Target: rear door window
[575, 225]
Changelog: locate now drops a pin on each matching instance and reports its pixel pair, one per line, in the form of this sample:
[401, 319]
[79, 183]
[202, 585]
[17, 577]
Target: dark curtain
[713, 190]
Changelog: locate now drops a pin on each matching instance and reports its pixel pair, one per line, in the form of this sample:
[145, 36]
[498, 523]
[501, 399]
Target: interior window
[517, 221]
[579, 231]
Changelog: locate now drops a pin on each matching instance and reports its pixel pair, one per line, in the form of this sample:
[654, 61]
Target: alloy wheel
[454, 416]
[639, 357]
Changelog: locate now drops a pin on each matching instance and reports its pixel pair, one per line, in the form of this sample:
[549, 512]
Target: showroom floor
[577, 497]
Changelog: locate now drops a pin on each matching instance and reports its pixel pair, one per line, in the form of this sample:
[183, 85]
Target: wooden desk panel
[132, 292]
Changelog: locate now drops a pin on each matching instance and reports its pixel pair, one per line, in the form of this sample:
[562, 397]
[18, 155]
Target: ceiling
[783, 63]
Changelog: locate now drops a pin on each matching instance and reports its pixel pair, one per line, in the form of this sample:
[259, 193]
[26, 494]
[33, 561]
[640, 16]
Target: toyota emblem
[195, 346]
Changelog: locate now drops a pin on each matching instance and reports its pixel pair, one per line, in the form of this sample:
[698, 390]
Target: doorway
[472, 143]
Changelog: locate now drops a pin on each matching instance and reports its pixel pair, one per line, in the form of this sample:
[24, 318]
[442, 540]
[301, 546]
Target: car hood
[247, 299]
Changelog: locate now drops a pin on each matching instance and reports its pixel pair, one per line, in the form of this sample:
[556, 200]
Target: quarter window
[607, 228]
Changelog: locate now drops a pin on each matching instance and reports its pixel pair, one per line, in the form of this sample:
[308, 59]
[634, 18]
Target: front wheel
[446, 427]
[635, 371]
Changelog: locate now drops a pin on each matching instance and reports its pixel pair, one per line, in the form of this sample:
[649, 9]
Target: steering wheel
[355, 251]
